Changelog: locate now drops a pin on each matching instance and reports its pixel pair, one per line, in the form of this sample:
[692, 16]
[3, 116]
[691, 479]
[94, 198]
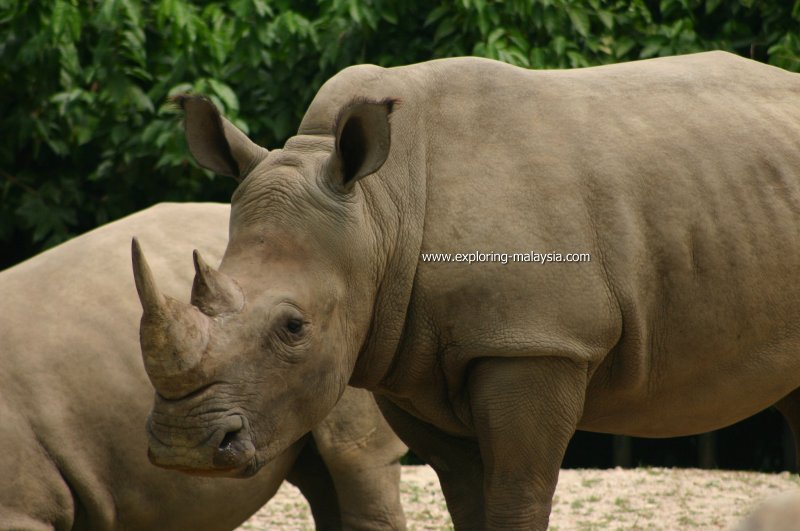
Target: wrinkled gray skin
[681, 177]
[74, 398]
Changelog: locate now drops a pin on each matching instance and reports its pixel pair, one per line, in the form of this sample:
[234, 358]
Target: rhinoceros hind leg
[789, 406]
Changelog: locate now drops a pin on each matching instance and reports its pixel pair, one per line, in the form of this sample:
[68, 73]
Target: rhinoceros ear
[216, 143]
[363, 140]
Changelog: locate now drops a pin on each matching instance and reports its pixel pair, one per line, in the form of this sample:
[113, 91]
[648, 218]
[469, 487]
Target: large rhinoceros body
[679, 178]
[74, 399]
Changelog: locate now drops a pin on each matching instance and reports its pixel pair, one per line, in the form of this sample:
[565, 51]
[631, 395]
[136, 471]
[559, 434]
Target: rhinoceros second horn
[214, 293]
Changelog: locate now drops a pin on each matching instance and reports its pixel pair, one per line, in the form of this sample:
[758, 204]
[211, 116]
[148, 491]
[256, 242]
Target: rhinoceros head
[268, 343]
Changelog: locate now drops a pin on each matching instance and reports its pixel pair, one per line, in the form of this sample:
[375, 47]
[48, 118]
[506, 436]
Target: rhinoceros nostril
[232, 451]
[228, 440]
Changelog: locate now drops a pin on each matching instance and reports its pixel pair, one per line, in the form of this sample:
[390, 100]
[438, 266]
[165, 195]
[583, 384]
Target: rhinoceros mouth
[248, 470]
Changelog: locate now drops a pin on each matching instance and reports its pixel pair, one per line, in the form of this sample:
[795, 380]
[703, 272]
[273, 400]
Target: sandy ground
[645, 498]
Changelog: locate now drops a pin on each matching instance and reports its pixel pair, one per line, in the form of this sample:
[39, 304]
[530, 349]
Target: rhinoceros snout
[227, 451]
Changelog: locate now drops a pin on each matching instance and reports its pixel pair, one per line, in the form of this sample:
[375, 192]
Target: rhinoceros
[503, 256]
[74, 398]
[778, 513]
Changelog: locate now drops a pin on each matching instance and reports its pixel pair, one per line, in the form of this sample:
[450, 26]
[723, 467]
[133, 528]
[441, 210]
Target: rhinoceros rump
[74, 399]
[680, 177]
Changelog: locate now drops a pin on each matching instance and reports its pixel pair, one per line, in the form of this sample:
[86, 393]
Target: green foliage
[88, 133]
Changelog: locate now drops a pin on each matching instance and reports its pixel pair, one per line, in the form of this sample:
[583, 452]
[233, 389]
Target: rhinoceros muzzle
[227, 451]
[175, 336]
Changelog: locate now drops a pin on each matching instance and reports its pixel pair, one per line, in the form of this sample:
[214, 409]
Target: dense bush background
[88, 135]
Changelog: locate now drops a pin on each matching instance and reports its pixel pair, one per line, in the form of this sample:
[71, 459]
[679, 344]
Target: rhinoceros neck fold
[395, 199]
[397, 210]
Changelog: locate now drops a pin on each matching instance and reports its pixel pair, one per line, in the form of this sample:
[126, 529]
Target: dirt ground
[644, 498]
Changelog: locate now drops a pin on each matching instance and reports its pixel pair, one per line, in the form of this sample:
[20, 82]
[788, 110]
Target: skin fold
[678, 176]
[74, 400]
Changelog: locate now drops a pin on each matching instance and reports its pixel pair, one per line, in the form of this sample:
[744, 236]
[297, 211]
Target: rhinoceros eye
[290, 327]
[294, 325]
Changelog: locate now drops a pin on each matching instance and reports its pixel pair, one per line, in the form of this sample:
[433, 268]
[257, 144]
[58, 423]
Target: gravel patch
[643, 498]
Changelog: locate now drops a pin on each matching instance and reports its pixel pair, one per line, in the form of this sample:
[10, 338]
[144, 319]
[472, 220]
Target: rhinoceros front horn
[173, 335]
[213, 292]
[152, 300]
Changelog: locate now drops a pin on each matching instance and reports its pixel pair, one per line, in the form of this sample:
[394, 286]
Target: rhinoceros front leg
[456, 460]
[524, 411]
[363, 455]
[311, 476]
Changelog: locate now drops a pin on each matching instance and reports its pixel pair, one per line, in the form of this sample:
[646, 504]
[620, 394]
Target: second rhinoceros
[74, 398]
[664, 195]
